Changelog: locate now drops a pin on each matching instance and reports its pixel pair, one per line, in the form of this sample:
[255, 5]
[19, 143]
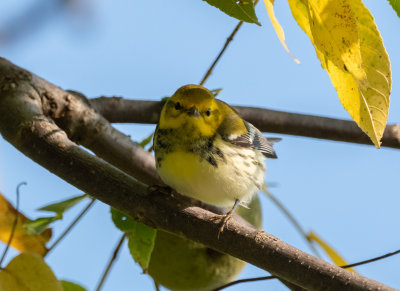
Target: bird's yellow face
[192, 108]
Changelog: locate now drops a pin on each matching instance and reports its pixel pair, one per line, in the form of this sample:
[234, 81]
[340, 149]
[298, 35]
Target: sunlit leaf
[335, 257]
[300, 14]
[22, 240]
[141, 244]
[269, 5]
[335, 33]
[28, 272]
[366, 101]
[396, 6]
[62, 206]
[240, 9]
[70, 286]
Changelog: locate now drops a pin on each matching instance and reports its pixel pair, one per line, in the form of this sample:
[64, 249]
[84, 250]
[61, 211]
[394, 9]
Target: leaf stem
[14, 226]
[111, 262]
[68, 229]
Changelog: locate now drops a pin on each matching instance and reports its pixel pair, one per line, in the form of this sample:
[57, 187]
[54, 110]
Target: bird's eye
[208, 112]
[178, 106]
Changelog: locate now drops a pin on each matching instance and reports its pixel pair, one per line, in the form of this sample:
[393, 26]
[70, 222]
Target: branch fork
[45, 123]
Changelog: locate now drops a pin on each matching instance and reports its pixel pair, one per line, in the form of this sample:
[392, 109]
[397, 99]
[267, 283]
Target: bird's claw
[223, 221]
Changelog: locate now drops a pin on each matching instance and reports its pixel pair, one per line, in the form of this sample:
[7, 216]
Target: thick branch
[25, 122]
[117, 109]
[82, 124]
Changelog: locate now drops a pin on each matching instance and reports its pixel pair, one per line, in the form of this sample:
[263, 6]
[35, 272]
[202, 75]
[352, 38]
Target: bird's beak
[193, 112]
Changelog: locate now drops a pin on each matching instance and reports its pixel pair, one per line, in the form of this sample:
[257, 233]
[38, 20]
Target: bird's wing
[253, 138]
[249, 136]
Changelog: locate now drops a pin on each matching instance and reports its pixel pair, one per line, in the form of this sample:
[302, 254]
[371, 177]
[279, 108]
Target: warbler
[206, 151]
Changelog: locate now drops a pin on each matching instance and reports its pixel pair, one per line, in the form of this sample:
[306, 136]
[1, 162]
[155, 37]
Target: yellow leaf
[269, 5]
[366, 101]
[28, 272]
[334, 28]
[336, 258]
[22, 241]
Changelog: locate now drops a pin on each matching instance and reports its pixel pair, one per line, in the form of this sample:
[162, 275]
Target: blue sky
[346, 193]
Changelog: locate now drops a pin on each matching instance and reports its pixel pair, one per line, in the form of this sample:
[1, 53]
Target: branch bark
[120, 110]
[33, 114]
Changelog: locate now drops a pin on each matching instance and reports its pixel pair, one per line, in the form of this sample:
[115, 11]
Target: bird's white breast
[238, 175]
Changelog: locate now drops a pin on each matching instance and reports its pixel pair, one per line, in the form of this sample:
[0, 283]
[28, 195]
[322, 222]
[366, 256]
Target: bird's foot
[223, 221]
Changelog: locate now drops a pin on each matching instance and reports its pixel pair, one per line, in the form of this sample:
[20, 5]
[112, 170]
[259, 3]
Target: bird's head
[192, 107]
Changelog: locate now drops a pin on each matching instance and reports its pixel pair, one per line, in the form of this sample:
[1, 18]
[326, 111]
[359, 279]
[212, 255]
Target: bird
[205, 150]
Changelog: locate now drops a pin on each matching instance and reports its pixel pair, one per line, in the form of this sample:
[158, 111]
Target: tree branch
[81, 123]
[119, 110]
[29, 109]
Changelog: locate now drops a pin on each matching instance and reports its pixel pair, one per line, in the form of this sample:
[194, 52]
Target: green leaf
[215, 92]
[40, 224]
[121, 220]
[28, 272]
[141, 237]
[146, 140]
[396, 6]
[62, 206]
[70, 286]
[141, 244]
[239, 9]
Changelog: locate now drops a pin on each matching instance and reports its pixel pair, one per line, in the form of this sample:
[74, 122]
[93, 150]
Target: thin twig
[111, 262]
[227, 42]
[68, 229]
[14, 226]
[293, 220]
[371, 260]
[274, 277]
